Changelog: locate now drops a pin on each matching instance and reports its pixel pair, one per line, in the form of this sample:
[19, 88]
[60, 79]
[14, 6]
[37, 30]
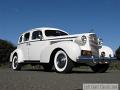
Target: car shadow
[78, 89]
[72, 72]
[38, 70]
[86, 71]
[82, 72]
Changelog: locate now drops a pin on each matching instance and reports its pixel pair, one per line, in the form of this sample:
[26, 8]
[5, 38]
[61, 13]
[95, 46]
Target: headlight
[102, 54]
[81, 40]
[100, 42]
[84, 39]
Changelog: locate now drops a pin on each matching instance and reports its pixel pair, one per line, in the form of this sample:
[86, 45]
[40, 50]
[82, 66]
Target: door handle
[28, 43]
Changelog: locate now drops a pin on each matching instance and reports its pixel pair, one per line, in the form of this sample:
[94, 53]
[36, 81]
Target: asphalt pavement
[34, 79]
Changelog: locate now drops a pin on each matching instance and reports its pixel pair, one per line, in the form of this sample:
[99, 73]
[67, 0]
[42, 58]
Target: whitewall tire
[15, 64]
[62, 63]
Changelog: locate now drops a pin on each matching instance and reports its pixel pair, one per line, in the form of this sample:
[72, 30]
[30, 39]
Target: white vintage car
[54, 47]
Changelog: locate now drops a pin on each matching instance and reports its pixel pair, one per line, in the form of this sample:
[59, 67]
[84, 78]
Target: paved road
[40, 80]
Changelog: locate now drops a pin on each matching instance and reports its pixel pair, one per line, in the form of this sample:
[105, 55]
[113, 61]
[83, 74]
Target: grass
[115, 65]
[4, 65]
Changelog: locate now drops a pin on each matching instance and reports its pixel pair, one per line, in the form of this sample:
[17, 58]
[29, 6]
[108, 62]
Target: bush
[115, 65]
[6, 48]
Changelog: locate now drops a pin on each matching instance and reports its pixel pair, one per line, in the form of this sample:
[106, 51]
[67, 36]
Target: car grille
[94, 44]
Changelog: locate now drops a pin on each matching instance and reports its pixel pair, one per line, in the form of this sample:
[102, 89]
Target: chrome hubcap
[61, 60]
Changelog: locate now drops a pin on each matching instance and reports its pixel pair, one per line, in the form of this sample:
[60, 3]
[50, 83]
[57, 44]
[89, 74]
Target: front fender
[19, 54]
[72, 49]
[108, 51]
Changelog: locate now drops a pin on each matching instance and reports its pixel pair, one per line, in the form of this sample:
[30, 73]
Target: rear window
[26, 36]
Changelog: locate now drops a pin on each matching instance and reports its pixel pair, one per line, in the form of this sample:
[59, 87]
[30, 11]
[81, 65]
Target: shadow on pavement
[72, 72]
[78, 89]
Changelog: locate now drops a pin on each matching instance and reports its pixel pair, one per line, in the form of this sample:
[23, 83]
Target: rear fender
[19, 54]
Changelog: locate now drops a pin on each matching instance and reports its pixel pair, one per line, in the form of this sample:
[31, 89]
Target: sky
[74, 16]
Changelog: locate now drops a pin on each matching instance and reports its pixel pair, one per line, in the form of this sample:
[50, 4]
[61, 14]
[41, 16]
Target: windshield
[50, 33]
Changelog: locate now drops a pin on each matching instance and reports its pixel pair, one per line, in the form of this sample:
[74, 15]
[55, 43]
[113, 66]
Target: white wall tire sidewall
[13, 67]
[55, 61]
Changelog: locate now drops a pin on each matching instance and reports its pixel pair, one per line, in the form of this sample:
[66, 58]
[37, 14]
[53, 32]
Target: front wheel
[62, 62]
[15, 64]
[100, 68]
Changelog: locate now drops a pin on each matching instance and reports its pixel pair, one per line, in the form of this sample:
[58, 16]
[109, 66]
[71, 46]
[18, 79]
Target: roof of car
[49, 28]
[43, 29]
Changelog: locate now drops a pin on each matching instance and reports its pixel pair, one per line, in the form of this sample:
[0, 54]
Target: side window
[36, 35]
[26, 36]
[20, 39]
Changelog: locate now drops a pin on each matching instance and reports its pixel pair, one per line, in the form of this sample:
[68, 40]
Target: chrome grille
[94, 44]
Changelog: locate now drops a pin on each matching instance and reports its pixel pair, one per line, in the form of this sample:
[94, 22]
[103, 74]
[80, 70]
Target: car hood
[69, 36]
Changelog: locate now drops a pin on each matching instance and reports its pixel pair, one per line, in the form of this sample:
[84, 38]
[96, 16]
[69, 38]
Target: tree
[6, 48]
[118, 53]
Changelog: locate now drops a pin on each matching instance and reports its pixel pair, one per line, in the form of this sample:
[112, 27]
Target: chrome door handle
[28, 43]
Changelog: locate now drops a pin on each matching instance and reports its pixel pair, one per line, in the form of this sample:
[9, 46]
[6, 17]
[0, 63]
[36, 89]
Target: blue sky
[74, 16]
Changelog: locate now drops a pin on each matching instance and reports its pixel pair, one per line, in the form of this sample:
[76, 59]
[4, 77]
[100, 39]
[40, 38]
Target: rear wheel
[62, 62]
[100, 68]
[15, 64]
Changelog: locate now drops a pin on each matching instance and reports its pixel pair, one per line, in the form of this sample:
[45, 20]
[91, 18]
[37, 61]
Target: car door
[25, 46]
[37, 45]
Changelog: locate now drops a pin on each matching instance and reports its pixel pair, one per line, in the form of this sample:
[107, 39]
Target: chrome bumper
[96, 60]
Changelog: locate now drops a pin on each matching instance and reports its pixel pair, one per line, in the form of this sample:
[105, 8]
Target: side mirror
[40, 37]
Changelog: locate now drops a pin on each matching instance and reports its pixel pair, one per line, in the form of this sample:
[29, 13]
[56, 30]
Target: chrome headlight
[81, 40]
[84, 39]
[100, 42]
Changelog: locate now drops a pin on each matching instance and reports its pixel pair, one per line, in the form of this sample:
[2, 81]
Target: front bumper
[95, 60]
